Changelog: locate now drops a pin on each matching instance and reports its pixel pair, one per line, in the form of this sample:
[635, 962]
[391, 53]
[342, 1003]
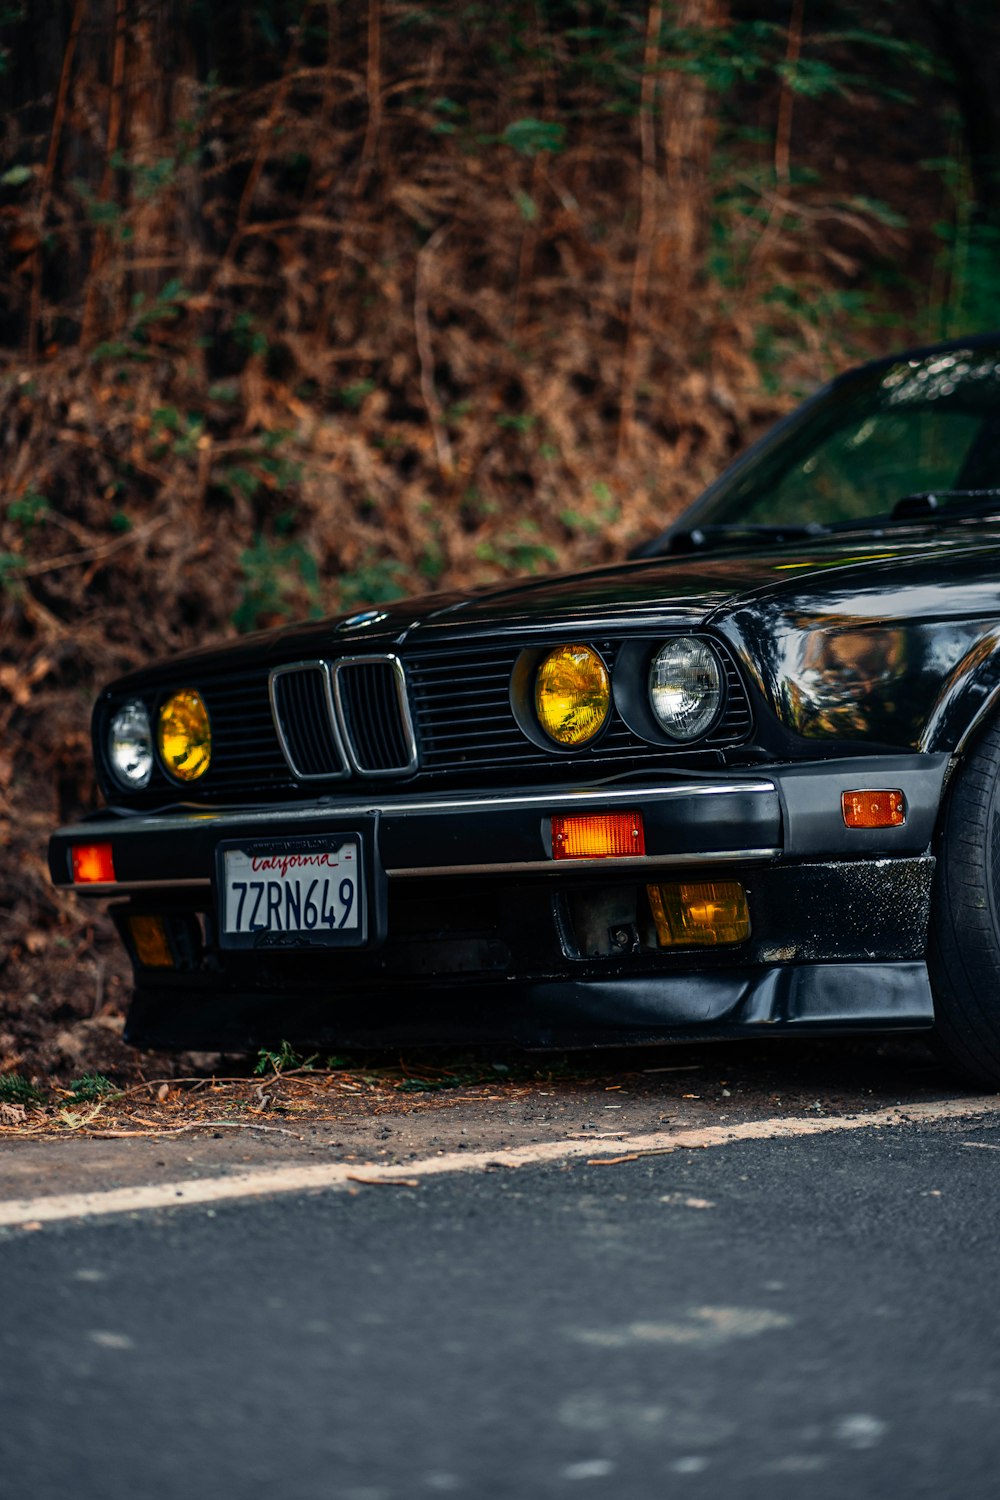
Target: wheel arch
[968, 699]
[963, 948]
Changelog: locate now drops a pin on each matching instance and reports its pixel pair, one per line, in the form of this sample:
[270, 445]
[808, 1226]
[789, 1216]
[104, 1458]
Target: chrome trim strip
[404, 712]
[308, 666]
[122, 887]
[557, 798]
[524, 867]
[567, 866]
[585, 795]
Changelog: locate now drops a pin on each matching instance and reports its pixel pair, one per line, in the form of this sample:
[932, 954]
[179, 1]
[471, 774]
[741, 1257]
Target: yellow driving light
[572, 694]
[704, 914]
[184, 735]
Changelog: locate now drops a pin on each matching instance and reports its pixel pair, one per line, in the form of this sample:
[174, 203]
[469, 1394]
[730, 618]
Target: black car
[745, 782]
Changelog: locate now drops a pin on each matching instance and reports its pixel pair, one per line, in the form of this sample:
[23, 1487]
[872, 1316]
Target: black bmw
[747, 781]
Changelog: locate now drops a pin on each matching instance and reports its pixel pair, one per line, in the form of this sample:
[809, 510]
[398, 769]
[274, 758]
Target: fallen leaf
[410, 1182]
[612, 1161]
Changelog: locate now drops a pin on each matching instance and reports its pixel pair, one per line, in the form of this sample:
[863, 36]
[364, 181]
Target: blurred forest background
[311, 303]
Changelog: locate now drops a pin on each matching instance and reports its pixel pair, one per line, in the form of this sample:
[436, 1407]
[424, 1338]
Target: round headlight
[572, 694]
[685, 687]
[130, 746]
[184, 737]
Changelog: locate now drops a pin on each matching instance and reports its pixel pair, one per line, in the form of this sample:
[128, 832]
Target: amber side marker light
[598, 836]
[93, 864]
[704, 914]
[151, 943]
[883, 809]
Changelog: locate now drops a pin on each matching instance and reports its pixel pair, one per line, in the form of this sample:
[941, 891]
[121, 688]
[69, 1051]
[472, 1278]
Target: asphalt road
[811, 1317]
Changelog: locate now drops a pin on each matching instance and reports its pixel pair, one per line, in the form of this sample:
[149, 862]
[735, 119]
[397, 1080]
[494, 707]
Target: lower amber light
[704, 914]
[93, 864]
[598, 836]
[151, 943]
[884, 809]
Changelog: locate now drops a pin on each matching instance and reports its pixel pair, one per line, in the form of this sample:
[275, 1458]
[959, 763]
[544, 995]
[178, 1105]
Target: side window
[864, 468]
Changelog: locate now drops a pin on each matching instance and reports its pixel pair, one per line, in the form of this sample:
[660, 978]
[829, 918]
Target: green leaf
[91, 1087]
[167, 416]
[530, 137]
[10, 565]
[527, 205]
[17, 1090]
[879, 211]
[27, 510]
[517, 421]
[354, 394]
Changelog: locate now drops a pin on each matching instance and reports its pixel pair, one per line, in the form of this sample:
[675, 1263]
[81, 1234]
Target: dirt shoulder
[188, 1117]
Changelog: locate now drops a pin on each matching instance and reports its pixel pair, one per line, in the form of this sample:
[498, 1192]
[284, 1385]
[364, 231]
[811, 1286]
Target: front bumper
[487, 937]
[794, 812]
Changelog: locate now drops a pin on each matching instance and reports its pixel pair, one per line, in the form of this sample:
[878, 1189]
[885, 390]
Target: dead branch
[421, 323]
[373, 80]
[644, 239]
[94, 554]
[101, 237]
[55, 136]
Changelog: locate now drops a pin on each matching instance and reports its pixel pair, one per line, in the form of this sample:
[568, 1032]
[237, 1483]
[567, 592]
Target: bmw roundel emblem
[362, 620]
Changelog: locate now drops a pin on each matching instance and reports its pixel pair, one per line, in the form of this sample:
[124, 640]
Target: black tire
[964, 949]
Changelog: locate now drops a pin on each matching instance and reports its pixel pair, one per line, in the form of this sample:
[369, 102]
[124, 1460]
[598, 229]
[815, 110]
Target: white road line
[269, 1181]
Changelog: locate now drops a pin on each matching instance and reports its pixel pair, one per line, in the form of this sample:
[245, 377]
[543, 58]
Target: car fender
[851, 679]
[967, 697]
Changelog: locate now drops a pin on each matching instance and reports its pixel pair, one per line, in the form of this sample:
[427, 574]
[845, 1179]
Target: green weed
[284, 1060]
[376, 581]
[272, 572]
[92, 1087]
[17, 1090]
[27, 510]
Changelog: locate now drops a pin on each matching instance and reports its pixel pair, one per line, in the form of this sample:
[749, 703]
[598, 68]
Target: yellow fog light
[703, 914]
[150, 941]
[572, 694]
[184, 736]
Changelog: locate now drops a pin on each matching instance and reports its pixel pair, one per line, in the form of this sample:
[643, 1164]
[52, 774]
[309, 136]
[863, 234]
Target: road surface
[795, 1313]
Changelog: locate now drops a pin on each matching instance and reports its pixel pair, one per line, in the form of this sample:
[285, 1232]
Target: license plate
[293, 893]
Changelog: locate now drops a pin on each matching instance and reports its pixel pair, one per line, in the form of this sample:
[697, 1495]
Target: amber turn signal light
[883, 809]
[598, 836]
[93, 864]
[705, 914]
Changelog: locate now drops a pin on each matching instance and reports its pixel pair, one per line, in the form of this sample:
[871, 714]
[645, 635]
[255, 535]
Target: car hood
[695, 589]
[690, 590]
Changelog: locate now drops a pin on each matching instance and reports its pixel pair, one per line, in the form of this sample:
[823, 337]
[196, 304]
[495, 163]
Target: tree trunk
[968, 34]
[689, 131]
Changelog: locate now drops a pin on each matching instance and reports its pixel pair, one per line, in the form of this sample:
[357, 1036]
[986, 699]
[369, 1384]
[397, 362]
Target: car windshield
[924, 425]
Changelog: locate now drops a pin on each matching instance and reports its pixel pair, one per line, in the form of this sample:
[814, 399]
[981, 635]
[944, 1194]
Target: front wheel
[964, 948]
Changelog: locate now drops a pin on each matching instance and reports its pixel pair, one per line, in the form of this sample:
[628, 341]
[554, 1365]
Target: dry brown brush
[311, 304]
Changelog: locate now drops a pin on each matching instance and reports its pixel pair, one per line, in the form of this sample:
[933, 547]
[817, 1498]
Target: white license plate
[314, 893]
